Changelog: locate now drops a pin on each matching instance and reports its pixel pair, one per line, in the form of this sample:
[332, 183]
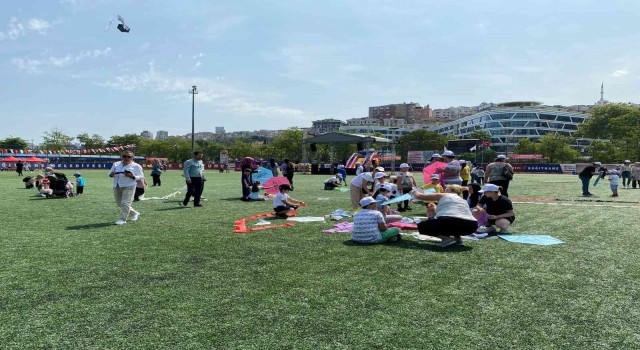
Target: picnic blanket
[532, 239]
[403, 226]
[344, 226]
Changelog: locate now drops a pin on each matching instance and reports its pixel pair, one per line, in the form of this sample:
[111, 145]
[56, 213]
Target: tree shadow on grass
[407, 244]
[90, 226]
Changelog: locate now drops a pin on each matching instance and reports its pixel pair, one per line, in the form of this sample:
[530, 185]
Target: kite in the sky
[121, 27]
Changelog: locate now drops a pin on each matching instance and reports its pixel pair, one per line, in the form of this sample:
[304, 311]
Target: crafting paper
[404, 197]
[341, 227]
[531, 239]
[306, 219]
[429, 190]
[343, 189]
[341, 213]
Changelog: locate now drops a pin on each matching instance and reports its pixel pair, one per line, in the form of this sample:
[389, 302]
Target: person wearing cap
[498, 207]
[406, 182]
[332, 182]
[497, 173]
[79, 184]
[451, 173]
[436, 157]
[369, 225]
[380, 180]
[283, 205]
[465, 172]
[383, 195]
[614, 180]
[343, 172]
[452, 216]
[359, 187]
[125, 174]
[625, 173]
[635, 174]
[585, 177]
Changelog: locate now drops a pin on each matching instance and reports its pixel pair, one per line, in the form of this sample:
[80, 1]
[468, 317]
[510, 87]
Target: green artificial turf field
[179, 278]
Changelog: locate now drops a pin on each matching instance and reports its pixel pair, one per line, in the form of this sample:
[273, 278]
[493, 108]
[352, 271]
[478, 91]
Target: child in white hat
[369, 225]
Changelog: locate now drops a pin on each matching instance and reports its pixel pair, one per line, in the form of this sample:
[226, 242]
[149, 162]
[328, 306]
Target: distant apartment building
[326, 125]
[411, 112]
[397, 122]
[219, 129]
[162, 135]
[147, 135]
[362, 121]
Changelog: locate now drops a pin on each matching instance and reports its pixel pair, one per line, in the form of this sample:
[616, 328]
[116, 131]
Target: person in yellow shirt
[435, 185]
[465, 172]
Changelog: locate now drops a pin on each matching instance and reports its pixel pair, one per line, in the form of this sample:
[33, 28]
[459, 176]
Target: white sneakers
[135, 217]
[120, 222]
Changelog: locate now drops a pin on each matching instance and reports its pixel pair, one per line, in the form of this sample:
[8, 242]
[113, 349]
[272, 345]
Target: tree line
[614, 130]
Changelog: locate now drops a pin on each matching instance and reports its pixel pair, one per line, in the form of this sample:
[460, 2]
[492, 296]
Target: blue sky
[277, 64]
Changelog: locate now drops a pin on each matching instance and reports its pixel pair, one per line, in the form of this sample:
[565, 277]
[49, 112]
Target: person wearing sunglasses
[125, 174]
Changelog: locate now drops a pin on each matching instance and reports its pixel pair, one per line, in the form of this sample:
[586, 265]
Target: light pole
[176, 147]
[193, 92]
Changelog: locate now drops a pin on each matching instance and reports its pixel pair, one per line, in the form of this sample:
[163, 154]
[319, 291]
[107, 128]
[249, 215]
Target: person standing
[193, 175]
[585, 176]
[625, 172]
[635, 174]
[499, 173]
[465, 174]
[156, 171]
[290, 172]
[451, 172]
[273, 166]
[19, 167]
[125, 174]
[359, 169]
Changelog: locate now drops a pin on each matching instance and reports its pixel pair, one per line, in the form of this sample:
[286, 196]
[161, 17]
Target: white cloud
[220, 96]
[32, 65]
[16, 29]
[39, 25]
[200, 55]
[619, 73]
[198, 64]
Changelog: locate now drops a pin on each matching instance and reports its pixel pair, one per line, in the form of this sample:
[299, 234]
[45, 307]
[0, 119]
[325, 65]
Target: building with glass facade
[509, 122]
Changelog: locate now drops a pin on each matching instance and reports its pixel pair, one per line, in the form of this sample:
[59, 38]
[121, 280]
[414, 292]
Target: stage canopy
[339, 137]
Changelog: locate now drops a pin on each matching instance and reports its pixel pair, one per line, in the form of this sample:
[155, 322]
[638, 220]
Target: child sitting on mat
[369, 225]
[255, 192]
[283, 205]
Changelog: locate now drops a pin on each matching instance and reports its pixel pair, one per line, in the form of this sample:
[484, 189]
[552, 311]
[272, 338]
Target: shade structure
[34, 159]
[10, 159]
[339, 137]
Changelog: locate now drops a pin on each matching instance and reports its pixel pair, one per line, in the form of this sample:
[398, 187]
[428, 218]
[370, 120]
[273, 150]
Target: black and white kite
[121, 27]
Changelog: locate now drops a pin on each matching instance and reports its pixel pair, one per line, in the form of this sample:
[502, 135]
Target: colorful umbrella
[433, 168]
[272, 185]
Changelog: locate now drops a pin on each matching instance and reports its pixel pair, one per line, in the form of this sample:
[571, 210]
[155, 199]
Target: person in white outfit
[125, 174]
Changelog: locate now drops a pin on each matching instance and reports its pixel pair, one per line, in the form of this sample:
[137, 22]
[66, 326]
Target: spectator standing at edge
[19, 167]
[585, 176]
[290, 170]
[495, 174]
[193, 175]
[635, 174]
[625, 172]
[273, 166]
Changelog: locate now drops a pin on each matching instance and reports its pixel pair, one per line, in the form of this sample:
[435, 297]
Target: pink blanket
[344, 226]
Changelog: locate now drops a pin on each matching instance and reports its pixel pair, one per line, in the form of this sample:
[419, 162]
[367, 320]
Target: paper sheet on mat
[532, 239]
[306, 218]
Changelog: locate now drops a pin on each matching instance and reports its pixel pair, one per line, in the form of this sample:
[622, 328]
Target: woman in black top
[498, 207]
[585, 176]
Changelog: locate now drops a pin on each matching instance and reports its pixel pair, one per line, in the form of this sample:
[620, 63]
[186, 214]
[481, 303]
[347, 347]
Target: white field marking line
[580, 205]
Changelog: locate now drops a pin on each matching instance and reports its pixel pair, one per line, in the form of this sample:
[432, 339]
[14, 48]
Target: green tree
[602, 151]
[525, 146]
[420, 140]
[56, 140]
[240, 149]
[93, 141]
[126, 139]
[612, 121]
[289, 145]
[481, 135]
[14, 143]
[557, 148]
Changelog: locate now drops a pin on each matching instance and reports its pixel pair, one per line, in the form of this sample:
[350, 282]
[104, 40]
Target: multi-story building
[162, 135]
[404, 110]
[386, 131]
[147, 135]
[509, 122]
[394, 122]
[219, 129]
[362, 121]
[326, 125]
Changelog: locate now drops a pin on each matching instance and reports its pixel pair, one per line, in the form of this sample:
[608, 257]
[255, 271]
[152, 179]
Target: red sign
[486, 144]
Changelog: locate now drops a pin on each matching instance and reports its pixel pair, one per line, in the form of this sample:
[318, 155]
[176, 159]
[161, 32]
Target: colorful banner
[537, 168]
[525, 156]
[114, 149]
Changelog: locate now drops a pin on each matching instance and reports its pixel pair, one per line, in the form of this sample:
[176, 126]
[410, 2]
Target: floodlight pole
[193, 92]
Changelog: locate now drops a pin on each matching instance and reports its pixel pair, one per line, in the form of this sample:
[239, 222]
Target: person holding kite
[585, 177]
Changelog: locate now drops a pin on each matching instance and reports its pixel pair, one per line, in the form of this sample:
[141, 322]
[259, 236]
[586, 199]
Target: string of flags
[113, 149]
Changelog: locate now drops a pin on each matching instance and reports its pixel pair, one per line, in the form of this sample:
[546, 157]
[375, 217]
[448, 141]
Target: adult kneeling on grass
[369, 225]
[452, 218]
